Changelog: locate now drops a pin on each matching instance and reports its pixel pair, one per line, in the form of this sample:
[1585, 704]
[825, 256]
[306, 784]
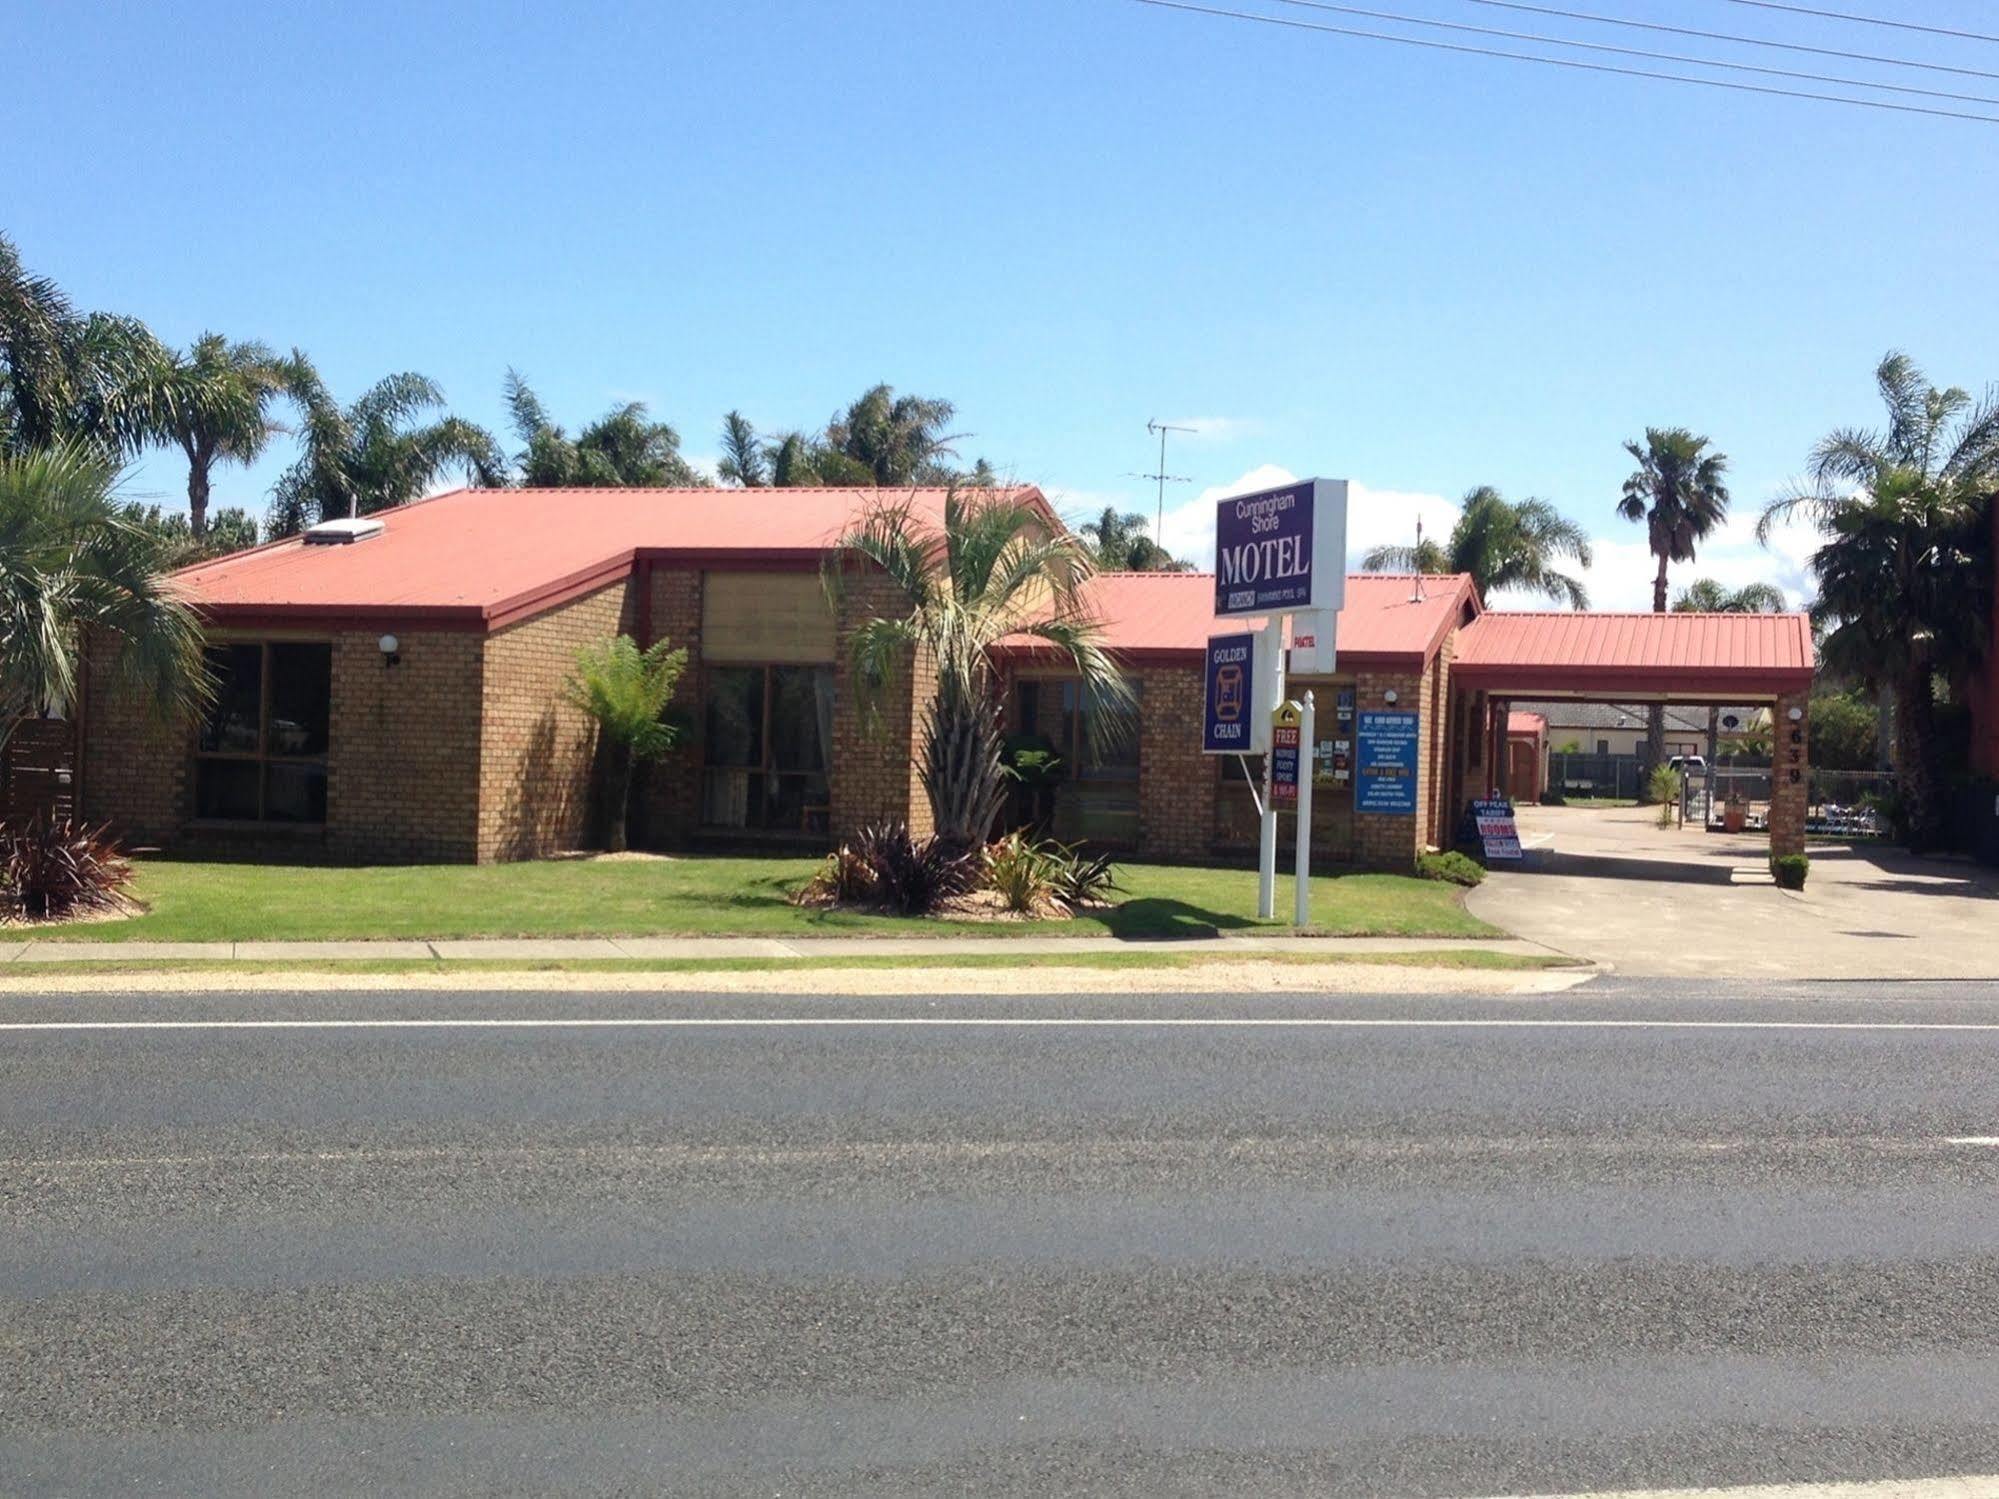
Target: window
[1098, 798]
[261, 752]
[768, 737]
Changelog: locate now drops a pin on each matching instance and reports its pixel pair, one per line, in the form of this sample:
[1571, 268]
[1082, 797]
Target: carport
[1696, 659]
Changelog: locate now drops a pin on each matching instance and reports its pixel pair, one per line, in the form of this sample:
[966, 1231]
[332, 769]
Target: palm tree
[215, 402]
[76, 573]
[622, 448]
[995, 569]
[1904, 570]
[626, 691]
[744, 460]
[65, 375]
[1119, 543]
[374, 454]
[892, 440]
[1503, 544]
[1677, 493]
[1706, 596]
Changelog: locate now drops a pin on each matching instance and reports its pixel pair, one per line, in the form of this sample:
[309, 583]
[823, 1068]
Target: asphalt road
[1026, 1258]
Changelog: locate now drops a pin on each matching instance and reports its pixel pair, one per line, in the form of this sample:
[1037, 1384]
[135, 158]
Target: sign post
[1278, 552]
[1271, 661]
[1301, 900]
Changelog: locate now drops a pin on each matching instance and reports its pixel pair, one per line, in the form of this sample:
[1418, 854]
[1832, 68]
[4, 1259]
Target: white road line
[990, 1022]
[1971, 1140]
[1985, 1487]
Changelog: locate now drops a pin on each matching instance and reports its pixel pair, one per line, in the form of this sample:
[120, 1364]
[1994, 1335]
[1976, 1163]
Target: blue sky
[1417, 270]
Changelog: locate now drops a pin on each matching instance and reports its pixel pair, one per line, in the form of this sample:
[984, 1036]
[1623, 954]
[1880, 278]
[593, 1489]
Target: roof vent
[340, 533]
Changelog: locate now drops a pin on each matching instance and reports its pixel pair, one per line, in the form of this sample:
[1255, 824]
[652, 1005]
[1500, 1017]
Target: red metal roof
[1525, 723]
[1171, 615]
[479, 558]
[1555, 652]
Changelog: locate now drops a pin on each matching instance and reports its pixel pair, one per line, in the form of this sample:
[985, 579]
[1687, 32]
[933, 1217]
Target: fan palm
[995, 569]
[1677, 494]
[1904, 566]
[376, 453]
[1503, 544]
[75, 572]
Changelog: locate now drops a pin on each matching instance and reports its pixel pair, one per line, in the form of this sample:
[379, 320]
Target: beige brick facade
[537, 753]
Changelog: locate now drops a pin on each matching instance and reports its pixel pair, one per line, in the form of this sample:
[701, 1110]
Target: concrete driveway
[1609, 886]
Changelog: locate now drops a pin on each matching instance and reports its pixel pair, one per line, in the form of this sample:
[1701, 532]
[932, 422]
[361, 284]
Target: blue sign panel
[1225, 725]
[1386, 763]
[1263, 551]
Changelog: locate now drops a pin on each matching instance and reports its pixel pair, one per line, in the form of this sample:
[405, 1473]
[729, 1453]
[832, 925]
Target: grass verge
[1456, 958]
[210, 901]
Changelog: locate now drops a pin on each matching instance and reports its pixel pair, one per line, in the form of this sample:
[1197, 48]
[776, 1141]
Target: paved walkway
[656, 948]
[1607, 885]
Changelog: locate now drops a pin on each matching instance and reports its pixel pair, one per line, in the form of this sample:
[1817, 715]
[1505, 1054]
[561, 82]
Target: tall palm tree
[1503, 544]
[215, 402]
[1677, 493]
[376, 453]
[744, 460]
[66, 375]
[622, 448]
[895, 440]
[994, 569]
[1120, 543]
[74, 571]
[1905, 568]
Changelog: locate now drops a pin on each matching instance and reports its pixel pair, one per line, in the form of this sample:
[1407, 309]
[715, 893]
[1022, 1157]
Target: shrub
[1020, 873]
[886, 866]
[53, 867]
[1454, 867]
[1663, 787]
[1790, 870]
[1082, 879]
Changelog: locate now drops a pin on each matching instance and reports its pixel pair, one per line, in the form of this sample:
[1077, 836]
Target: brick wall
[1792, 757]
[134, 767]
[666, 795]
[874, 772]
[1177, 784]
[537, 754]
[1384, 840]
[402, 757]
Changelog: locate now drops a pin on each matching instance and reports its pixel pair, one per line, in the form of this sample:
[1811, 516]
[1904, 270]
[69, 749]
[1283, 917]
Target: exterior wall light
[1389, 697]
[1795, 714]
[387, 645]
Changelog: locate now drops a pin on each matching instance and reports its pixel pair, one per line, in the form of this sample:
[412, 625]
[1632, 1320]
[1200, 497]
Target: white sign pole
[1266, 866]
[1301, 903]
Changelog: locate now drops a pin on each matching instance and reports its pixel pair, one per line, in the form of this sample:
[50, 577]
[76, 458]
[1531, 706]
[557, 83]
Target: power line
[1569, 62]
[1681, 57]
[1843, 15]
[1745, 41]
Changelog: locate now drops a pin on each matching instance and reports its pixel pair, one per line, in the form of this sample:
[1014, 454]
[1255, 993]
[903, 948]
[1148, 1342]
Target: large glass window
[1098, 743]
[768, 739]
[261, 752]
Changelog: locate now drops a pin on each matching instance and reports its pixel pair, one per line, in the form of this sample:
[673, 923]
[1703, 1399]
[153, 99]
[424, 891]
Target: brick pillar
[876, 772]
[1176, 782]
[666, 798]
[1790, 775]
[1392, 840]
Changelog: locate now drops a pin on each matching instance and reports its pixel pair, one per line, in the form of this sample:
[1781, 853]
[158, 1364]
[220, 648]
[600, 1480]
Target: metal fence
[1840, 803]
[1591, 776]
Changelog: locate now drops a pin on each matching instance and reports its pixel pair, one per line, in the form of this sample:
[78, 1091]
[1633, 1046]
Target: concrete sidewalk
[768, 948]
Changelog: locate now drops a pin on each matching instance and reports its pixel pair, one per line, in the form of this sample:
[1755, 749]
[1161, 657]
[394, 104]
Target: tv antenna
[1162, 478]
[1417, 557]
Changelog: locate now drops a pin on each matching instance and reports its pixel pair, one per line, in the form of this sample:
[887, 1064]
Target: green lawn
[197, 901]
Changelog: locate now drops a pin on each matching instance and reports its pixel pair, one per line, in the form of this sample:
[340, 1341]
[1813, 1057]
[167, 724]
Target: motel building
[392, 690]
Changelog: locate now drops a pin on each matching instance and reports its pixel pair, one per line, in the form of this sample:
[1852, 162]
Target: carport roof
[1636, 654]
